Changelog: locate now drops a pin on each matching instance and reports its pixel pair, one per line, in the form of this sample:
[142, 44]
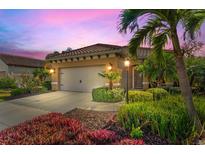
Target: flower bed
[55, 128]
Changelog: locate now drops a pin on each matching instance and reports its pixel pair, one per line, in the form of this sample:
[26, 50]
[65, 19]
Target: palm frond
[144, 34]
[158, 42]
[192, 21]
[102, 74]
[129, 18]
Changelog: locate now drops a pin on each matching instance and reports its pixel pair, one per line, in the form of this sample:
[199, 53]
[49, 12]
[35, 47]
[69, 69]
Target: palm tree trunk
[110, 84]
[184, 81]
[187, 91]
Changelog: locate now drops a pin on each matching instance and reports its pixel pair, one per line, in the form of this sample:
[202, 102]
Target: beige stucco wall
[82, 63]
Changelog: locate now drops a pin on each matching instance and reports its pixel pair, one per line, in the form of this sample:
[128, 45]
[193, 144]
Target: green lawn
[4, 94]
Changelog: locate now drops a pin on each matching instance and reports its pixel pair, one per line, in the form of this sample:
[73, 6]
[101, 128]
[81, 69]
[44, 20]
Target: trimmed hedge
[39, 89]
[158, 93]
[137, 95]
[167, 118]
[19, 91]
[103, 94]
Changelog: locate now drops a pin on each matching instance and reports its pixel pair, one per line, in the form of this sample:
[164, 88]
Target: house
[16, 65]
[77, 70]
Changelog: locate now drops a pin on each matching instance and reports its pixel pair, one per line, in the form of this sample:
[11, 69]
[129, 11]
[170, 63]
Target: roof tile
[21, 61]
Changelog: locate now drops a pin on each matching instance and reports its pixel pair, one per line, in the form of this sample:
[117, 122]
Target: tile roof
[92, 49]
[21, 61]
[97, 49]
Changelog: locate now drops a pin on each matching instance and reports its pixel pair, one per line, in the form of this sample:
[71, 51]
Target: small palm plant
[111, 76]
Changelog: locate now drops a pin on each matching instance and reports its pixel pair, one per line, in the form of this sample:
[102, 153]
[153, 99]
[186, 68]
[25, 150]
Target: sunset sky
[35, 33]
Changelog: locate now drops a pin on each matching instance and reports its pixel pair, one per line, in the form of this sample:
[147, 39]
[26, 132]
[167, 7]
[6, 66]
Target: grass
[4, 94]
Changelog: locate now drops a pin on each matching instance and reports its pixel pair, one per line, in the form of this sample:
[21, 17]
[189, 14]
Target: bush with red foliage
[102, 136]
[55, 128]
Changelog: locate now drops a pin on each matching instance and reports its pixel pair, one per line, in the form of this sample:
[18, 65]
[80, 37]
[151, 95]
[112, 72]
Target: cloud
[37, 32]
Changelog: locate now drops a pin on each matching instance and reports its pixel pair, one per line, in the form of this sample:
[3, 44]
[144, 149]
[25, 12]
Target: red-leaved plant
[102, 136]
[55, 128]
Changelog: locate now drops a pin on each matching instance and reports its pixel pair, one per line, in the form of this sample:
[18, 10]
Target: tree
[41, 74]
[196, 72]
[159, 71]
[160, 28]
[190, 47]
[111, 76]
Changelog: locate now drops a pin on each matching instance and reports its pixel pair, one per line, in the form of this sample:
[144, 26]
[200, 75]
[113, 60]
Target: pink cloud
[61, 17]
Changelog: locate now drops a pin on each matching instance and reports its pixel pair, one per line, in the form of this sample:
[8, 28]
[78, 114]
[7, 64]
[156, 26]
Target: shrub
[27, 81]
[7, 83]
[167, 118]
[39, 89]
[136, 133]
[102, 136]
[47, 84]
[137, 95]
[173, 90]
[104, 94]
[55, 128]
[52, 128]
[199, 103]
[158, 93]
[19, 91]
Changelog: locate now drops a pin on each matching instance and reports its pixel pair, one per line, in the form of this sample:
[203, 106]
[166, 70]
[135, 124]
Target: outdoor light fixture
[127, 64]
[109, 67]
[51, 71]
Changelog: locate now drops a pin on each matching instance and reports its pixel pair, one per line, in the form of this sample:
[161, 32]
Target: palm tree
[159, 71]
[111, 76]
[158, 30]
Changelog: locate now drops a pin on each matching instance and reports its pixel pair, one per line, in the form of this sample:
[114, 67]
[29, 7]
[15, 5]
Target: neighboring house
[77, 70]
[16, 65]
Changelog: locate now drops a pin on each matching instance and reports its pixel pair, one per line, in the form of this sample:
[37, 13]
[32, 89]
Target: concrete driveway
[15, 111]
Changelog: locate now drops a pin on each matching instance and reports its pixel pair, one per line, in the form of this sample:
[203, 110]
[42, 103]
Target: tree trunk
[184, 81]
[110, 84]
[187, 92]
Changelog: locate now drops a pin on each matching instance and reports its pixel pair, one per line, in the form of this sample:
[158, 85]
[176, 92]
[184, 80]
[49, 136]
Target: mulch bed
[91, 119]
[107, 120]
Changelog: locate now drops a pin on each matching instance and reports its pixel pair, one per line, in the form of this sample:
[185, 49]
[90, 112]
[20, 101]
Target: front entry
[137, 79]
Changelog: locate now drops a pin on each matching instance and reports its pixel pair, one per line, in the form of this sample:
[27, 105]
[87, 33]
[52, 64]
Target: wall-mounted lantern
[51, 71]
[109, 67]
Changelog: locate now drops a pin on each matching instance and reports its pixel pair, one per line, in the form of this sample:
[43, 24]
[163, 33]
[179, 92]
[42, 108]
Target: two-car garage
[82, 79]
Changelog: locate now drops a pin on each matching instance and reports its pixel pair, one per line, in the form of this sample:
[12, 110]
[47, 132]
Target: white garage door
[81, 78]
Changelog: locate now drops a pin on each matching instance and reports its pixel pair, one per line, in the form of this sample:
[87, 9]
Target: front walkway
[15, 111]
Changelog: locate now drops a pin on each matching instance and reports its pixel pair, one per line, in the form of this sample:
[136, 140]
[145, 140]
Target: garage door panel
[81, 78]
